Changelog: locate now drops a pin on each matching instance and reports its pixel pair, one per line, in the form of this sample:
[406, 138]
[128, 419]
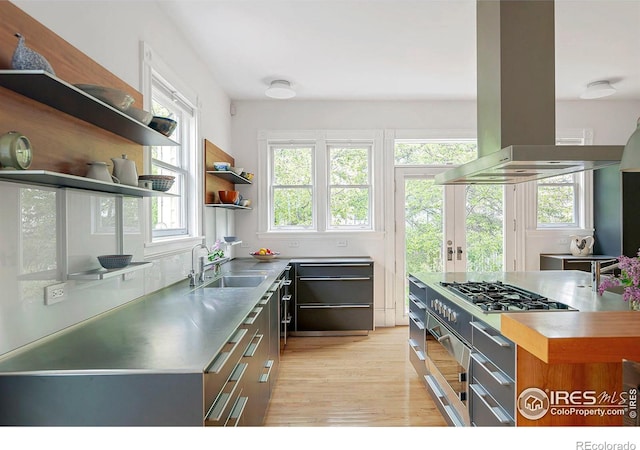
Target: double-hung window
[323, 183]
[170, 215]
[292, 187]
[349, 189]
[559, 198]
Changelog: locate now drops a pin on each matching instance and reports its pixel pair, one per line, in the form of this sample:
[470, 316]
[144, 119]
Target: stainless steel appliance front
[448, 360]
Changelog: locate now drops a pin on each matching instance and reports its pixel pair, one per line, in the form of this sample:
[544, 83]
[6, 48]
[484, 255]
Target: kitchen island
[568, 364]
[155, 361]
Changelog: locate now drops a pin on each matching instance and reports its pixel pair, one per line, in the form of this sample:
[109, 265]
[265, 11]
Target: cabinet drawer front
[417, 359]
[334, 291]
[485, 411]
[334, 317]
[334, 270]
[218, 373]
[221, 409]
[495, 347]
[495, 382]
[417, 332]
[418, 290]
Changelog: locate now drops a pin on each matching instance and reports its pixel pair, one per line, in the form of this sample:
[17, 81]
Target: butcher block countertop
[584, 337]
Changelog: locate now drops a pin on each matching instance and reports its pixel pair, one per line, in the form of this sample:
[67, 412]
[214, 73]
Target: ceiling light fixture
[280, 89]
[598, 89]
[630, 161]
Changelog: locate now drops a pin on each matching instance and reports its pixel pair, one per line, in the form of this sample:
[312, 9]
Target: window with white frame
[321, 185]
[170, 215]
[349, 189]
[558, 199]
[292, 186]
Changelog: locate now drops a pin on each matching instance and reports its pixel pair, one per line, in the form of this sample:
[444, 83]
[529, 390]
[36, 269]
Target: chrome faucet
[200, 273]
[597, 270]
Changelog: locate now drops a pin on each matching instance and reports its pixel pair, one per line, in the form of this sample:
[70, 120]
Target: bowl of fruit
[264, 254]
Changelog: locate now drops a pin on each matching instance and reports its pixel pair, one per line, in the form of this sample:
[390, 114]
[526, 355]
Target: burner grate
[495, 296]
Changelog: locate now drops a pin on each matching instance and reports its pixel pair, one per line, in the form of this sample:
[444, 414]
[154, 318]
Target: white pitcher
[125, 170]
[581, 245]
[98, 170]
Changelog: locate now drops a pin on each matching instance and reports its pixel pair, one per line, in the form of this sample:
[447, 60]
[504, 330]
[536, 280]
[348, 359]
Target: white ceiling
[393, 49]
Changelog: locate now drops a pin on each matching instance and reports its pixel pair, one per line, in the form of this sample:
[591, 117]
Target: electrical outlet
[341, 243]
[244, 244]
[54, 294]
[294, 244]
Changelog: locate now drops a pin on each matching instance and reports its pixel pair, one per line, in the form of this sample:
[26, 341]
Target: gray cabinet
[333, 297]
[417, 322]
[492, 388]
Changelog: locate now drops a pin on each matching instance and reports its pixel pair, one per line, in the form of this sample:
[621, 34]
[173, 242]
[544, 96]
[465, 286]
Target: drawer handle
[251, 349]
[219, 363]
[336, 265]
[286, 298]
[416, 301]
[495, 410]
[417, 282]
[252, 319]
[265, 376]
[417, 321]
[497, 339]
[286, 283]
[450, 412]
[416, 349]
[332, 306]
[500, 379]
[223, 399]
[238, 409]
[335, 278]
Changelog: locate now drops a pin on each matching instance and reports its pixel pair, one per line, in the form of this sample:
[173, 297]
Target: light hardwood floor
[350, 381]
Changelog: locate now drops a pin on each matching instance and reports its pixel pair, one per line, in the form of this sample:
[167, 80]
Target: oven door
[448, 363]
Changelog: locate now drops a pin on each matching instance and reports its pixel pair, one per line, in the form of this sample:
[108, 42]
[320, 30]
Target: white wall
[611, 121]
[110, 33]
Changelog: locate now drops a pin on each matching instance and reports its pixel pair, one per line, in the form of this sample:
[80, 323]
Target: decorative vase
[581, 245]
[25, 58]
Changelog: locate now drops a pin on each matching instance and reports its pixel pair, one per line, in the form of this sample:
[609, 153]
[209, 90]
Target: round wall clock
[15, 151]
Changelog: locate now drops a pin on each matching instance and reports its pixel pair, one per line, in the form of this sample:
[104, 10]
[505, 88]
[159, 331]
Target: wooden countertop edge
[615, 336]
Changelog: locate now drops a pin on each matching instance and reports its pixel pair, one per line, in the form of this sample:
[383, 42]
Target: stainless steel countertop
[177, 329]
[572, 287]
[345, 259]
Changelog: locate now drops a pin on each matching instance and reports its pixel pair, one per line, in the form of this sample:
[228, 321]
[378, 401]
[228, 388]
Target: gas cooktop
[497, 297]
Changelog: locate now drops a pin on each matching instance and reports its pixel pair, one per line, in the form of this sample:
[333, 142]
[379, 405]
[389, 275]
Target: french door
[444, 228]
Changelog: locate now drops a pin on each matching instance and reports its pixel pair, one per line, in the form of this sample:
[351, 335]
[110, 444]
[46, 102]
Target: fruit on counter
[264, 251]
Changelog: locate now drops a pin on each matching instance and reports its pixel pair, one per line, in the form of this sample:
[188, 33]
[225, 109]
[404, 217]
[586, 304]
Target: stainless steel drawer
[331, 290]
[500, 350]
[321, 317]
[417, 289]
[485, 411]
[334, 270]
[494, 381]
[417, 359]
[225, 403]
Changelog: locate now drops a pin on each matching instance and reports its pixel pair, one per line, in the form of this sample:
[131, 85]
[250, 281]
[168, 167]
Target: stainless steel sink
[236, 281]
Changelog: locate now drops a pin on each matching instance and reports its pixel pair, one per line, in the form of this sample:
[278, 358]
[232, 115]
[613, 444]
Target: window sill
[355, 234]
[170, 246]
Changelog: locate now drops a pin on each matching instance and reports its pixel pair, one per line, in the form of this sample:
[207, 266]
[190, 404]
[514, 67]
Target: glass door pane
[484, 228]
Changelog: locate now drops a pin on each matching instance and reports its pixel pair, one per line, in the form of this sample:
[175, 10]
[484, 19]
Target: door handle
[459, 253]
[449, 253]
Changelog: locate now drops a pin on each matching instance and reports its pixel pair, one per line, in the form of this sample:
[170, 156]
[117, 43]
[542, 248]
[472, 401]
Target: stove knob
[454, 316]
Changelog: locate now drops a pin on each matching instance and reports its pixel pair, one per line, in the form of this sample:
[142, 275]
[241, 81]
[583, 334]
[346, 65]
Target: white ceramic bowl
[113, 97]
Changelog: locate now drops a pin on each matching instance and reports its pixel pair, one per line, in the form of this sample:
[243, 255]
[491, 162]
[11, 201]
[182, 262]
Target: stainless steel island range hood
[516, 101]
